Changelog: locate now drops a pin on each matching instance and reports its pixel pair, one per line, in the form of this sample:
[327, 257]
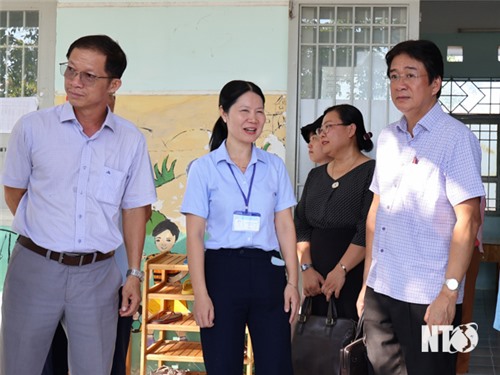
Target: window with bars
[477, 104]
[341, 59]
[19, 39]
[341, 45]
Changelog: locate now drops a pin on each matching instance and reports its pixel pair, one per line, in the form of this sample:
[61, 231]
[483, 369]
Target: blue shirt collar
[221, 154]
[428, 122]
[68, 115]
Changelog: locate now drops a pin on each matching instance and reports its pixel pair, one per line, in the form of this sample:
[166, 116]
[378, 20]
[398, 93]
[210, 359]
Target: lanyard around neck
[246, 198]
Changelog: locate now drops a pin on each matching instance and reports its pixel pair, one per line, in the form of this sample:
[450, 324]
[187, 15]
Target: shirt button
[79, 216]
[387, 207]
[79, 241]
[383, 228]
[381, 250]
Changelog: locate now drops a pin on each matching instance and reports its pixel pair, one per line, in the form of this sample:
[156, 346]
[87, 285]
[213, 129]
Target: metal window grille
[476, 102]
[19, 40]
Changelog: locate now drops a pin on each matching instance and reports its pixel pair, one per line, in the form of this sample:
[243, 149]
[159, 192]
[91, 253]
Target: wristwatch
[452, 284]
[305, 266]
[137, 273]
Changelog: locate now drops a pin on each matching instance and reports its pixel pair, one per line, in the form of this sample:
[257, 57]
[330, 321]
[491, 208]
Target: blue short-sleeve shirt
[212, 193]
[76, 185]
[419, 180]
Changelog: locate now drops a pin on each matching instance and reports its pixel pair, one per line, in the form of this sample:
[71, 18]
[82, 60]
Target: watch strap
[135, 272]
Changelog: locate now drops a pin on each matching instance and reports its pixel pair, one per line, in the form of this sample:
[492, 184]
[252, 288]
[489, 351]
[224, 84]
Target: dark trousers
[246, 289]
[394, 338]
[57, 359]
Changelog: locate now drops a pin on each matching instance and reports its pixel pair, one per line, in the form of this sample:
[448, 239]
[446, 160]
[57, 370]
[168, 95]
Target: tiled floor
[485, 358]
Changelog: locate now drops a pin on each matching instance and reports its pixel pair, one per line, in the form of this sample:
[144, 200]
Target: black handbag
[317, 340]
[353, 357]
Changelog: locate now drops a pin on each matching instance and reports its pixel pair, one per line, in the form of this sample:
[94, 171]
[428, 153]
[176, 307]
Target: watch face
[452, 284]
[305, 267]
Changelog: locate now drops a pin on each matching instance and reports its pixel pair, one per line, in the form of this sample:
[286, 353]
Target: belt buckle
[82, 258]
[61, 257]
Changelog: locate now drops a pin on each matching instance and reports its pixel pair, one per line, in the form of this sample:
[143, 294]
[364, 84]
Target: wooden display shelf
[168, 261]
[187, 324]
[168, 291]
[165, 350]
[177, 351]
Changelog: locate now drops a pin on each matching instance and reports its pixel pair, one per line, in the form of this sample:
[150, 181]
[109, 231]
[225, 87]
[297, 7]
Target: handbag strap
[332, 315]
[359, 327]
[306, 308]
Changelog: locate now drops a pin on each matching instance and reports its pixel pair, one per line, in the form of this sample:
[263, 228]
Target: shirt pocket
[417, 178]
[111, 187]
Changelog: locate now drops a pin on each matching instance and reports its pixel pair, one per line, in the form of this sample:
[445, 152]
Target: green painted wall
[186, 49]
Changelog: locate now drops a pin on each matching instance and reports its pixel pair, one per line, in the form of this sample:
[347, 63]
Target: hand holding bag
[317, 340]
[353, 357]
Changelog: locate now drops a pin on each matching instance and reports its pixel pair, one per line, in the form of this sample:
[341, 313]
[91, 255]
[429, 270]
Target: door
[337, 55]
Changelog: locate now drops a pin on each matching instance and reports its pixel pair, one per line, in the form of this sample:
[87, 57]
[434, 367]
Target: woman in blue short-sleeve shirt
[241, 241]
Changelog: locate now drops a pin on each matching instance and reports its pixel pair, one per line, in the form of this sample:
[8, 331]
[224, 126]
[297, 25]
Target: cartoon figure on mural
[166, 234]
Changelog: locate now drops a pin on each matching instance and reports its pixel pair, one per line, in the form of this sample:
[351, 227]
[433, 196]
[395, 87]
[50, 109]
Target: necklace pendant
[335, 185]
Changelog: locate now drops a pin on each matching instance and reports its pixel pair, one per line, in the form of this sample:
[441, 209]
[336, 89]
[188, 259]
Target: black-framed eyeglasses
[87, 79]
[326, 128]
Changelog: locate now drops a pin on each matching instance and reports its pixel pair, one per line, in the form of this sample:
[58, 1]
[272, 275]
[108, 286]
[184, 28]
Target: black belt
[64, 258]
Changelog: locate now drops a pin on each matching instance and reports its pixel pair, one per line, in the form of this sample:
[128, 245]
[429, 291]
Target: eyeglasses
[87, 79]
[410, 77]
[325, 129]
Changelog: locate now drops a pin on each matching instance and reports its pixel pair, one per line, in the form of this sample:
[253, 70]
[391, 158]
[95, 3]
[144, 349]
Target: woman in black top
[331, 214]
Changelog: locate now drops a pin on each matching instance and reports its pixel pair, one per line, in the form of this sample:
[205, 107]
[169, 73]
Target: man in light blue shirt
[423, 221]
[71, 172]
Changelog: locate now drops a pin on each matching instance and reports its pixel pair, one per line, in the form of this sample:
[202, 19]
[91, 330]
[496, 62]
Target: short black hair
[311, 128]
[116, 60]
[425, 51]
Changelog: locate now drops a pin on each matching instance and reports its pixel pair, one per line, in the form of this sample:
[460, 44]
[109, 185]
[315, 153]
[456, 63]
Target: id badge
[246, 221]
